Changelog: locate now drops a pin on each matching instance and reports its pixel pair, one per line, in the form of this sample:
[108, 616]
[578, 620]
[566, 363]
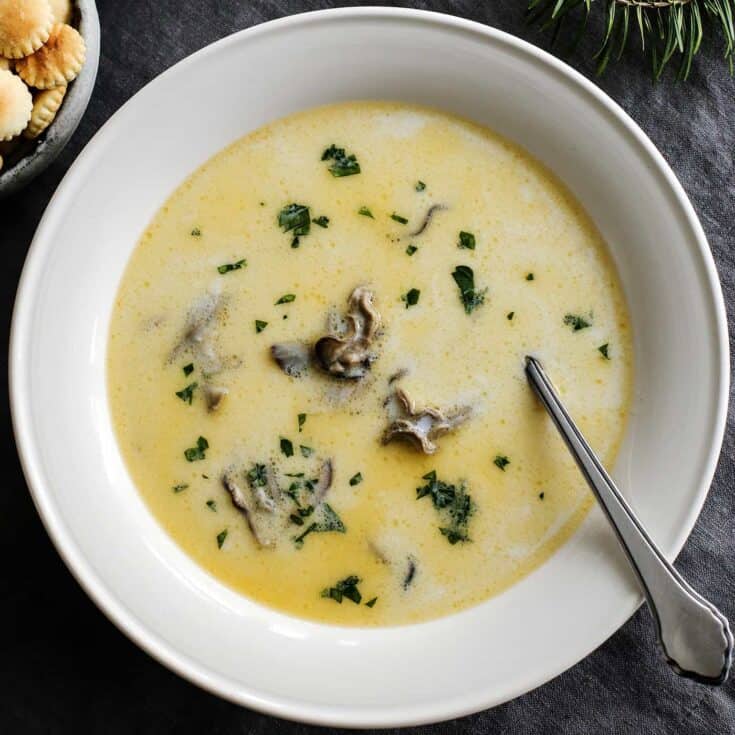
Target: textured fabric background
[65, 669]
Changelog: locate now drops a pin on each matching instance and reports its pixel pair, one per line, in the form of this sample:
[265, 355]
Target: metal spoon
[694, 635]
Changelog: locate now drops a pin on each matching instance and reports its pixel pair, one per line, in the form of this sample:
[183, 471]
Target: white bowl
[172, 608]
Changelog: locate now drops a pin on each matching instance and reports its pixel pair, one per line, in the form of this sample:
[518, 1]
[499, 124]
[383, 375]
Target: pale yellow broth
[524, 222]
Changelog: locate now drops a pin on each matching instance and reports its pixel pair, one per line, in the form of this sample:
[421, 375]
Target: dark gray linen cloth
[65, 668]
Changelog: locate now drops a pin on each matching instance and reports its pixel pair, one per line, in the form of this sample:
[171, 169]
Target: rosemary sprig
[667, 28]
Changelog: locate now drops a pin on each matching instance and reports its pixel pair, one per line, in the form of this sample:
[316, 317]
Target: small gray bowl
[32, 157]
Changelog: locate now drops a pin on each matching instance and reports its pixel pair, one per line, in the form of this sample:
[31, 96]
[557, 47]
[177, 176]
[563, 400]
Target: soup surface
[295, 308]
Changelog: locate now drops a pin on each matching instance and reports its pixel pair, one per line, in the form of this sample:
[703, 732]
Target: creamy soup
[316, 363]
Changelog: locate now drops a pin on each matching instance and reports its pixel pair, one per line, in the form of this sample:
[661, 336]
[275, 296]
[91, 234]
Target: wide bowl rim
[82, 569]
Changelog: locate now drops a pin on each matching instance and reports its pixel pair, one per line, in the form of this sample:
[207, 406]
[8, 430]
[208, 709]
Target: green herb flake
[510, 316]
[541, 496]
[576, 322]
[286, 299]
[188, 369]
[260, 326]
[466, 241]
[365, 212]
[371, 603]
[501, 462]
[221, 536]
[604, 350]
[296, 519]
[328, 521]
[228, 267]
[321, 221]
[196, 232]
[411, 249]
[342, 164]
[194, 454]
[411, 298]
[530, 277]
[179, 488]
[302, 420]
[420, 186]
[397, 218]
[464, 277]
[212, 505]
[345, 588]
[295, 218]
[306, 451]
[453, 535]
[187, 394]
[257, 475]
[286, 447]
[453, 503]
[356, 479]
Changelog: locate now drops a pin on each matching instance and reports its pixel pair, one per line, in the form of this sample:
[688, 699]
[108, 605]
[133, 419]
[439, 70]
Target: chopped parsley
[604, 350]
[345, 588]
[260, 326]
[212, 505]
[365, 212]
[441, 493]
[420, 186]
[302, 420]
[227, 267]
[295, 218]
[356, 479]
[293, 493]
[194, 454]
[371, 603]
[342, 164]
[411, 249]
[464, 277]
[321, 221]
[530, 277]
[411, 298]
[186, 394]
[286, 447]
[188, 369]
[452, 502]
[221, 536]
[466, 241]
[510, 316]
[541, 496]
[196, 232]
[257, 475]
[179, 488]
[397, 218]
[576, 322]
[501, 461]
[306, 451]
[329, 521]
[286, 299]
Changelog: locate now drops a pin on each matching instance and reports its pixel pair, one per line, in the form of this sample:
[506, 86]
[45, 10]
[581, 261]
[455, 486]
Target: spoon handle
[694, 634]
